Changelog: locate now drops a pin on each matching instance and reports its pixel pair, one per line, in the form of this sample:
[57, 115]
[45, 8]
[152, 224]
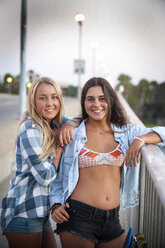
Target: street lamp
[94, 45]
[22, 84]
[28, 85]
[79, 18]
[9, 80]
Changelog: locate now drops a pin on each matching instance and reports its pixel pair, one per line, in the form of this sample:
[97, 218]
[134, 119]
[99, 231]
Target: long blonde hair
[49, 143]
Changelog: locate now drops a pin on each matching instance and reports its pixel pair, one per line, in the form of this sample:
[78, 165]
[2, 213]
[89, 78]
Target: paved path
[9, 109]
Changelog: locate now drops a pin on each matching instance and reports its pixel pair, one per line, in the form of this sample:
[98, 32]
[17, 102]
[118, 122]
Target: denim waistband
[93, 211]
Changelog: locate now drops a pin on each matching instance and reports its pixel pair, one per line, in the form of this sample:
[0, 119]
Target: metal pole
[79, 55]
[94, 61]
[22, 84]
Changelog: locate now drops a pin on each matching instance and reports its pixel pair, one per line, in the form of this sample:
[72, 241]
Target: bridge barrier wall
[7, 138]
[149, 216]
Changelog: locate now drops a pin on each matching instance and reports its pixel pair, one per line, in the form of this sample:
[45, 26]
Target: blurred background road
[9, 107]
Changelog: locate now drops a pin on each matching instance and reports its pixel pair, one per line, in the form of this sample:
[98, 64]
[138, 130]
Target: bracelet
[61, 147]
[56, 205]
[139, 139]
[76, 121]
[69, 124]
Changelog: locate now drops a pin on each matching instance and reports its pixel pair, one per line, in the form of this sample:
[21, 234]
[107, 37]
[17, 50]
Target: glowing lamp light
[9, 80]
[28, 85]
[79, 17]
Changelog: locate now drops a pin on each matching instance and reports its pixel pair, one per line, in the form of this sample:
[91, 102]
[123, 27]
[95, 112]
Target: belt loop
[107, 214]
[93, 213]
[116, 212]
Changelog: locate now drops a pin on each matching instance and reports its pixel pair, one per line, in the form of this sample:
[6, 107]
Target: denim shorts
[28, 225]
[91, 223]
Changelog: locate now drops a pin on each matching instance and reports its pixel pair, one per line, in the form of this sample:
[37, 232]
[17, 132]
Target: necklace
[99, 132]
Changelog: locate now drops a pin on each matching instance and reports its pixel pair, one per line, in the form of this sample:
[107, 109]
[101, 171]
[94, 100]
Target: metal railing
[149, 216]
[152, 196]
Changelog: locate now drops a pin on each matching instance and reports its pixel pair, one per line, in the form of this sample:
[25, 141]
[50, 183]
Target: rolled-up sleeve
[140, 130]
[161, 132]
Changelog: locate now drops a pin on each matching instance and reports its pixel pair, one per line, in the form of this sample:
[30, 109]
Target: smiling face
[47, 102]
[95, 103]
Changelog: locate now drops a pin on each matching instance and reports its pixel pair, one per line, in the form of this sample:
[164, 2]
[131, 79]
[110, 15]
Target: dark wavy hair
[116, 113]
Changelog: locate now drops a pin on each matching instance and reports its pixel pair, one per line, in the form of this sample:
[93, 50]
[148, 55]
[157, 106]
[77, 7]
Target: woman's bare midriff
[98, 186]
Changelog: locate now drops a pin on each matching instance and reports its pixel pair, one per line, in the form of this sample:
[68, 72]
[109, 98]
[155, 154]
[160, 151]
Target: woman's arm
[151, 138]
[30, 148]
[132, 155]
[64, 135]
[59, 214]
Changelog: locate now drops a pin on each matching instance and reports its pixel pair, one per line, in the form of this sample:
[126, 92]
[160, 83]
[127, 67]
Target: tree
[125, 81]
[142, 94]
[10, 84]
[7, 78]
[32, 75]
[70, 91]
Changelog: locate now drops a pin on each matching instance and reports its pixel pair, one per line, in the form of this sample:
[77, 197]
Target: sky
[130, 37]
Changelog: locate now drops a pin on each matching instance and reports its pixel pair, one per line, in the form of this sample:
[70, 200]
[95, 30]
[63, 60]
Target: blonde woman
[25, 208]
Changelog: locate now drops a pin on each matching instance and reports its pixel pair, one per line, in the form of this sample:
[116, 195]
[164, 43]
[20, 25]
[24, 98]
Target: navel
[107, 198]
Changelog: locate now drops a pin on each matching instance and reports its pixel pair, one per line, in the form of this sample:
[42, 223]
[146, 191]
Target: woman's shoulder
[122, 129]
[28, 124]
[55, 124]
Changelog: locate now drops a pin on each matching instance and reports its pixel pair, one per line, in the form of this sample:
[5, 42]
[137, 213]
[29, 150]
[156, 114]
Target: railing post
[142, 193]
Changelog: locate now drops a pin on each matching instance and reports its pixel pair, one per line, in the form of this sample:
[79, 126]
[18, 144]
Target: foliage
[70, 91]
[13, 87]
[146, 99]
[32, 75]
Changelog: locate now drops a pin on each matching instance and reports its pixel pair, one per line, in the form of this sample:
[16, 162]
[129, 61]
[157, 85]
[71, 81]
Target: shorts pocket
[78, 213]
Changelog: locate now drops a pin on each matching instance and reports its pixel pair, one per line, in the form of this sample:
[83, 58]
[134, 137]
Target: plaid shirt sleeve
[30, 149]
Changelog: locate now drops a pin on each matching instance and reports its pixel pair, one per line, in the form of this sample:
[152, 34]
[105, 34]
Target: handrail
[152, 196]
[149, 216]
[155, 160]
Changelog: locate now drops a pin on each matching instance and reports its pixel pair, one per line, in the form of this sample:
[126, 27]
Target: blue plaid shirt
[28, 195]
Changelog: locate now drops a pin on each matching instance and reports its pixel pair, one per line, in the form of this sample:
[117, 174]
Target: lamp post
[94, 45]
[22, 85]
[79, 18]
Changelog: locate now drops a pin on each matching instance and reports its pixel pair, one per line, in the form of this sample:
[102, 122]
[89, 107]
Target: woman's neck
[98, 126]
